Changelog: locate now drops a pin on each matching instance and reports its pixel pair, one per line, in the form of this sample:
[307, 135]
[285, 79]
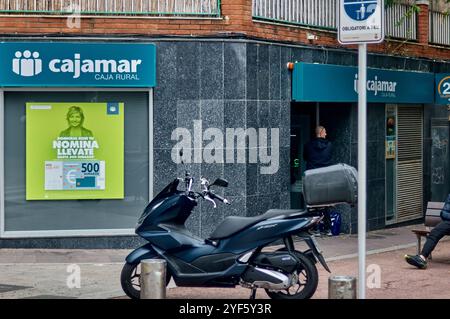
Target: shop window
[77, 215]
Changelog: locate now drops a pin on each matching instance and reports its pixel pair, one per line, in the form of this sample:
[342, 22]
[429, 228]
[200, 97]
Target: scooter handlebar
[223, 200]
[207, 194]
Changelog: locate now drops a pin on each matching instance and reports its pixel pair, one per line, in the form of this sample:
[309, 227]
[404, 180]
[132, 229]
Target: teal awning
[335, 83]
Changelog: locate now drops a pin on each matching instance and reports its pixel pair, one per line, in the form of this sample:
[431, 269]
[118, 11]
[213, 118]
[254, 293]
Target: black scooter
[238, 252]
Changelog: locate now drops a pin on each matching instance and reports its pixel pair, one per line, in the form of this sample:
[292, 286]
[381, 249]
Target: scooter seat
[234, 224]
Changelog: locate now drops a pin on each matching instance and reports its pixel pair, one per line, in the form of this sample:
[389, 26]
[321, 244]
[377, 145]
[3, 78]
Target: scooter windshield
[166, 192]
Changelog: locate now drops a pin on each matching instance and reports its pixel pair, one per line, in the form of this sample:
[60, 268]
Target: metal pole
[153, 279]
[341, 287]
[362, 155]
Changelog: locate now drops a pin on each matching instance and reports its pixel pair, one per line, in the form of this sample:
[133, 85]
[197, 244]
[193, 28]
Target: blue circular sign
[360, 10]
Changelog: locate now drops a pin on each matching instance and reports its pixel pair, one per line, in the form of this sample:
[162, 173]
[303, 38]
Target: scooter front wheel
[129, 279]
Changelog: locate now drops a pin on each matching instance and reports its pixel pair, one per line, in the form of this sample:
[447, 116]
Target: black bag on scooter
[331, 185]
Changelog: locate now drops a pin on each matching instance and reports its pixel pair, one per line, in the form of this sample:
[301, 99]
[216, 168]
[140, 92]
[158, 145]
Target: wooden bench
[432, 218]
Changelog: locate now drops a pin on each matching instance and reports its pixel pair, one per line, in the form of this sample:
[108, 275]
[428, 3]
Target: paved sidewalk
[398, 279]
[45, 273]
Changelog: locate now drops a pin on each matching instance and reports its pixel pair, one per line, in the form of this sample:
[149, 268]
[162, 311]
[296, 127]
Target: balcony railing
[315, 13]
[112, 7]
[401, 20]
[439, 28]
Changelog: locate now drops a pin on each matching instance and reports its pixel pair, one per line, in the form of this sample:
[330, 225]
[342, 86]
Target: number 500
[90, 167]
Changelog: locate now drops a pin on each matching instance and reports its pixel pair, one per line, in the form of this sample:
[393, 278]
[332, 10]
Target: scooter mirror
[220, 182]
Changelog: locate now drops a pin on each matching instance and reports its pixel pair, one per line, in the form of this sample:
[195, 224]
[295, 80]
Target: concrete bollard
[341, 287]
[153, 279]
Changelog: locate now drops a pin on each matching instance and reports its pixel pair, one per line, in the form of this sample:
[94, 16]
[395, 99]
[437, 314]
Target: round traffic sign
[360, 10]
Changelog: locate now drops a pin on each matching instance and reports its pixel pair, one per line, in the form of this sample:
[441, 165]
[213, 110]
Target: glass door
[391, 152]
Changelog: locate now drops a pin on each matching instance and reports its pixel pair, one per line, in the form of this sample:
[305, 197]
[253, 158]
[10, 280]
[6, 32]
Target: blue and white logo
[27, 64]
[360, 10]
[112, 109]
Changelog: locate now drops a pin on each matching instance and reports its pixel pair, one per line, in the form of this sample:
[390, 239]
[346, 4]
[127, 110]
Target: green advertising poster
[74, 151]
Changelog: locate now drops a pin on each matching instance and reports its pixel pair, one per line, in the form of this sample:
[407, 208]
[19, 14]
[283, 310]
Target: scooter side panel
[173, 241]
[143, 252]
[258, 235]
[189, 254]
[227, 278]
[189, 275]
[262, 233]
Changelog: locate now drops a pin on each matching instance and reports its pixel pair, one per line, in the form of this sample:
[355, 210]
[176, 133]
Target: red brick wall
[423, 24]
[237, 18]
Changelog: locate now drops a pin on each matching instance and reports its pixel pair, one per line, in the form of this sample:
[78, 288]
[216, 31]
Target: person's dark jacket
[317, 153]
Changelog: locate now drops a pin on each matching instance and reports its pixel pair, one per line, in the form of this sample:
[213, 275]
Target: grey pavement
[396, 280]
[47, 273]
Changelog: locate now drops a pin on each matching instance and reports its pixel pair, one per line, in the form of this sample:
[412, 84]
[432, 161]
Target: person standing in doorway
[318, 153]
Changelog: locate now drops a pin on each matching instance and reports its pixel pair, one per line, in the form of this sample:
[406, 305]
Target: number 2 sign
[443, 88]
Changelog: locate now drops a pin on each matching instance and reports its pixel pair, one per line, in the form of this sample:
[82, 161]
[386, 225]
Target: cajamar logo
[27, 64]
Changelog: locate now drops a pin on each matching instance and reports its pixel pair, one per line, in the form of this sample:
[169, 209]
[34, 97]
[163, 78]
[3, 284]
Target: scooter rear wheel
[129, 279]
[308, 279]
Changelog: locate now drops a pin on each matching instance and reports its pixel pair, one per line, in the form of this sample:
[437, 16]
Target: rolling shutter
[410, 163]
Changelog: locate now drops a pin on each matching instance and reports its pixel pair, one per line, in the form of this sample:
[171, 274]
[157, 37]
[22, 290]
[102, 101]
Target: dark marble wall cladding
[376, 166]
[235, 71]
[226, 85]
[427, 141]
[268, 102]
[436, 143]
[212, 71]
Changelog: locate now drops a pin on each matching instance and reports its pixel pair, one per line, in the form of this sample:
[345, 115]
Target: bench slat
[433, 212]
[435, 205]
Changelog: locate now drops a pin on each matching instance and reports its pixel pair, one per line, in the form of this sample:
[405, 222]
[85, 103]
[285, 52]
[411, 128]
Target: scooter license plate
[316, 244]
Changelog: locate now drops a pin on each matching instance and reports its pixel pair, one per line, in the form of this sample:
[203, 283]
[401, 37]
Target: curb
[372, 252]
